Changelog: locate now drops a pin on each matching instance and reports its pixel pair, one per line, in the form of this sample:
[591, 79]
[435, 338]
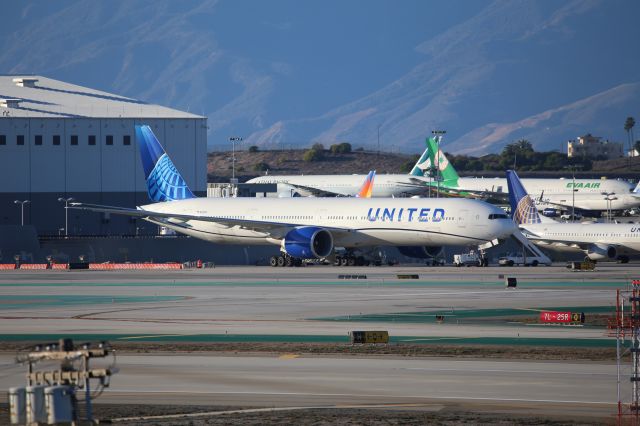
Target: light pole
[609, 198]
[66, 202]
[379, 140]
[22, 203]
[438, 137]
[573, 191]
[233, 140]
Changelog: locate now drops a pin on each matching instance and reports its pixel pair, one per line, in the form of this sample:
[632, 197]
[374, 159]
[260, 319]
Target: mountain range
[288, 73]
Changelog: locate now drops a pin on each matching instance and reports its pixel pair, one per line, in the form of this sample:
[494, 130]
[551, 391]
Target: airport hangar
[60, 140]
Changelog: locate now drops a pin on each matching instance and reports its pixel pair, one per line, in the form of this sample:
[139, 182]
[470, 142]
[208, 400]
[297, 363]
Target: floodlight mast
[438, 137]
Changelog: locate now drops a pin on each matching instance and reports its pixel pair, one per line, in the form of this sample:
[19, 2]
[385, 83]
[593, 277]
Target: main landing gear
[284, 260]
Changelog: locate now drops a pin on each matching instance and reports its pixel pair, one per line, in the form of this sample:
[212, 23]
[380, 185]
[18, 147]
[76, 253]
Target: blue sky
[294, 73]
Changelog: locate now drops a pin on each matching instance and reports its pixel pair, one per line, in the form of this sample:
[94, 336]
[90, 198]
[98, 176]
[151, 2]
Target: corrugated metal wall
[100, 173]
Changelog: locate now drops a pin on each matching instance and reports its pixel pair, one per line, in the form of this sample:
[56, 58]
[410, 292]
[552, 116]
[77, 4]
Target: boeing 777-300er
[599, 241]
[387, 185]
[307, 228]
[584, 194]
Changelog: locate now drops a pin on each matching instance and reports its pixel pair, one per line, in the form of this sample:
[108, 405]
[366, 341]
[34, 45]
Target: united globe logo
[526, 211]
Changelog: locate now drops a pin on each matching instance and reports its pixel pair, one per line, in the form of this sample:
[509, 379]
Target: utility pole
[379, 140]
[22, 203]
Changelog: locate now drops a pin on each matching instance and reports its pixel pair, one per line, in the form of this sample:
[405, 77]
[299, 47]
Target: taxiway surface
[302, 301]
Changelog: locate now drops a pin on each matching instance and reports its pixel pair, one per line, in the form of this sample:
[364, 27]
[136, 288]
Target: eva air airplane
[556, 193]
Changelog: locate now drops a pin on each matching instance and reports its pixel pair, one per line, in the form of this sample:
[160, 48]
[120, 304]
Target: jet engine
[288, 191]
[420, 252]
[602, 252]
[308, 242]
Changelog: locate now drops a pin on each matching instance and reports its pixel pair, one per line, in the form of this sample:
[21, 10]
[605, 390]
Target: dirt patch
[325, 349]
[450, 415]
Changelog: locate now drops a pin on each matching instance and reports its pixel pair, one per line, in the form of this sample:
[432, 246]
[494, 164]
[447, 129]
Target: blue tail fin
[164, 182]
[523, 208]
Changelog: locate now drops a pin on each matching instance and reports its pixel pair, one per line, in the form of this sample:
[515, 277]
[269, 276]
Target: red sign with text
[551, 316]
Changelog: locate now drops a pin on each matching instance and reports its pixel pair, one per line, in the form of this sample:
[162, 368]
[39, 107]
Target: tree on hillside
[340, 148]
[519, 152]
[317, 147]
[628, 127]
[312, 155]
[261, 167]
[253, 148]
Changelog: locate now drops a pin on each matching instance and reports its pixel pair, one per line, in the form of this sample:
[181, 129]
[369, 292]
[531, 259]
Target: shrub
[318, 147]
[340, 148]
[253, 148]
[261, 167]
[312, 155]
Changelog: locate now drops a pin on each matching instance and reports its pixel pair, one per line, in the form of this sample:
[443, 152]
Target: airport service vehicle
[517, 259]
[550, 212]
[308, 228]
[569, 216]
[582, 194]
[389, 185]
[599, 241]
[467, 259]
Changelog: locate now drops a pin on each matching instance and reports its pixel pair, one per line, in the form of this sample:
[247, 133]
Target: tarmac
[258, 304]
[263, 301]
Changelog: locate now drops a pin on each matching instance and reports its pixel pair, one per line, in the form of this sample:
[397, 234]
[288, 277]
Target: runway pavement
[269, 381]
[285, 304]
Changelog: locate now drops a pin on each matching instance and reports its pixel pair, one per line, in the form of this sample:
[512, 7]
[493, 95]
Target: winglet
[523, 208]
[367, 187]
[636, 191]
[164, 182]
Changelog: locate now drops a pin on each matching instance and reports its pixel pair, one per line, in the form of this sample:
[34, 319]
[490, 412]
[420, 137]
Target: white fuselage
[353, 222]
[585, 236]
[395, 185]
[554, 192]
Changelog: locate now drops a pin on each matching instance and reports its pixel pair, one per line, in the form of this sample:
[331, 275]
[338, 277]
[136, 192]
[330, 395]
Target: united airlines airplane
[599, 241]
[307, 228]
[585, 194]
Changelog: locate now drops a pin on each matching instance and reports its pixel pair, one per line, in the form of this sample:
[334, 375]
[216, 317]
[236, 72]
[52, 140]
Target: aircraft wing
[274, 229]
[315, 191]
[468, 193]
[412, 185]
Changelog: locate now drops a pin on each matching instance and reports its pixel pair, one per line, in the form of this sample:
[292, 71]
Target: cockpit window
[493, 216]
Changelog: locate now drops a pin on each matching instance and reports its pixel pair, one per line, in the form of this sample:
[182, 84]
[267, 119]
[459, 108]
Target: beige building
[594, 147]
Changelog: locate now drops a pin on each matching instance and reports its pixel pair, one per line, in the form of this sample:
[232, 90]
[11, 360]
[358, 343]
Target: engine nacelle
[602, 252]
[289, 194]
[308, 242]
[420, 252]
[288, 191]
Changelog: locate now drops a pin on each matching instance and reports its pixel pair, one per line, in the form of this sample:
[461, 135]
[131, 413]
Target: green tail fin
[449, 175]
